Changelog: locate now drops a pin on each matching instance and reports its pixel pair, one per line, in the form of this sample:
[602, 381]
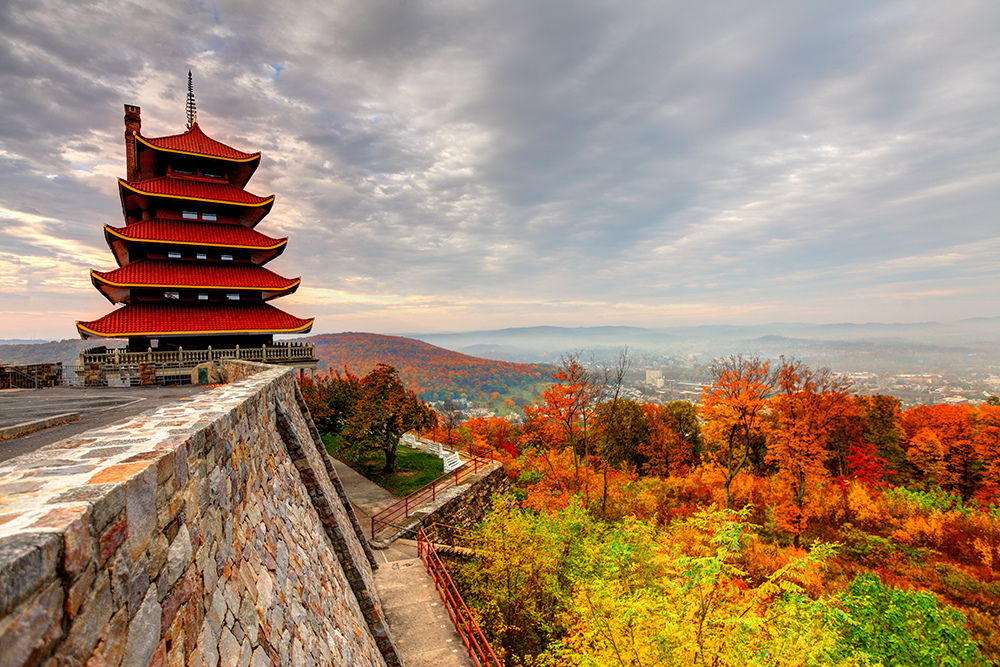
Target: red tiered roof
[171, 319]
[179, 187]
[190, 232]
[196, 142]
[188, 275]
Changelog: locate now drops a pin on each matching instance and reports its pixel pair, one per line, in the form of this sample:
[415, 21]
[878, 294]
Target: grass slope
[414, 468]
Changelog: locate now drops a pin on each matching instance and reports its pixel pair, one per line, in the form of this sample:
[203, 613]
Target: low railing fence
[472, 635]
[402, 508]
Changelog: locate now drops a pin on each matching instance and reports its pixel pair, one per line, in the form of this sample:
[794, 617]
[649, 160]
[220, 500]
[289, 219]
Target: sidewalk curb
[24, 428]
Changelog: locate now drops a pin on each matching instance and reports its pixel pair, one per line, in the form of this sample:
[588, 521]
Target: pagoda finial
[192, 110]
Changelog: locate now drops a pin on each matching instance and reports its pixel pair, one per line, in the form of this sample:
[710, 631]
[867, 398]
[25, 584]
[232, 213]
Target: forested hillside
[432, 372]
[66, 351]
[783, 521]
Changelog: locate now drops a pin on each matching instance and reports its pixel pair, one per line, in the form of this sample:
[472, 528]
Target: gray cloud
[454, 165]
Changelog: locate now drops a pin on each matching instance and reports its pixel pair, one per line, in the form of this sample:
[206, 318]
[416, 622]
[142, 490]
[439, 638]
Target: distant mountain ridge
[963, 347]
[971, 345]
[433, 372]
[65, 351]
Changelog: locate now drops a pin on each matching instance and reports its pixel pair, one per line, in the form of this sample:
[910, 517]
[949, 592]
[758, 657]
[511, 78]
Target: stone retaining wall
[463, 506]
[471, 507]
[210, 532]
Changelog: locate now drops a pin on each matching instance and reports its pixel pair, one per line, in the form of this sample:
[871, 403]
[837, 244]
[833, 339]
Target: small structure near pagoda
[191, 266]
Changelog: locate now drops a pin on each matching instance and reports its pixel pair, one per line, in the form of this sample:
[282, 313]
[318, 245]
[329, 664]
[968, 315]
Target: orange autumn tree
[672, 445]
[495, 433]
[733, 409]
[383, 412]
[568, 404]
[810, 408]
[953, 426]
[926, 453]
[879, 453]
[987, 444]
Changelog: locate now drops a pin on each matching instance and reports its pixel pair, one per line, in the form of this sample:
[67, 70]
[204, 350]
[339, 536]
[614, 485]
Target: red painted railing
[401, 508]
[472, 636]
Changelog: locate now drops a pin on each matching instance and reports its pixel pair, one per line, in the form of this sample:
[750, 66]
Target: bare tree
[451, 417]
[613, 382]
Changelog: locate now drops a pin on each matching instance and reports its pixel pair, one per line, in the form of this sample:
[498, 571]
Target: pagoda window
[211, 175]
[189, 215]
[233, 297]
[201, 255]
[209, 216]
[227, 258]
[202, 296]
[172, 295]
[182, 171]
[173, 255]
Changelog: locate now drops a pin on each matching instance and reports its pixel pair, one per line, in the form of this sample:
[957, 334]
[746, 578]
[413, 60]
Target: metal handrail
[401, 508]
[18, 379]
[468, 629]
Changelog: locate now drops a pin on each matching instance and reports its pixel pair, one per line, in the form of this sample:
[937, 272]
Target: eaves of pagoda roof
[197, 143]
[197, 234]
[195, 190]
[190, 189]
[180, 274]
[186, 319]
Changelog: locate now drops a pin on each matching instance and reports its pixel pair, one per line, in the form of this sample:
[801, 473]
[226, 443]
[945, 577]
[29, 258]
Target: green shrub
[904, 628]
[934, 500]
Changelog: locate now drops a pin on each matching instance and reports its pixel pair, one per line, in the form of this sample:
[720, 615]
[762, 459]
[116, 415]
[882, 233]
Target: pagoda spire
[192, 109]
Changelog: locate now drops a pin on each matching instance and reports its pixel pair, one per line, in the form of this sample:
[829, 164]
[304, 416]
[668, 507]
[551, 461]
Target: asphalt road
[97, 406]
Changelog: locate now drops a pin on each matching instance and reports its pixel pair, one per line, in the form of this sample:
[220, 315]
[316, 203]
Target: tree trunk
[390, 460]
[576, 462]
[604, 500]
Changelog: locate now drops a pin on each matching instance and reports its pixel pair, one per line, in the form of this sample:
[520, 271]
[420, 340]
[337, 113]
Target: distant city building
[191, 266]
[653, 376]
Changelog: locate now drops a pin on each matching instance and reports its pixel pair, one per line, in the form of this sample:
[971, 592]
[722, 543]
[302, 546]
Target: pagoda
[190, 262]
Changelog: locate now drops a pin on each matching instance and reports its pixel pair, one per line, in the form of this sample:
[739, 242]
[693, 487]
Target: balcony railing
[277, 353]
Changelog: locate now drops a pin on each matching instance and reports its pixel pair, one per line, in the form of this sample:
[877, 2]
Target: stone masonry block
[27, 561]
[33, 629]
[140, 493]
[178, 556]
[78, 590]
[93, 617]
[143, 632]
[112, 538]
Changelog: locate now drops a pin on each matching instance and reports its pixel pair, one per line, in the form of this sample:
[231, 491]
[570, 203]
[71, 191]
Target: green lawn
[414, 468]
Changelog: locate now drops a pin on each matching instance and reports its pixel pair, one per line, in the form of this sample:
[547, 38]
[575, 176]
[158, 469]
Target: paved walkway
[98, 406]
[367, 498]
[420, 624]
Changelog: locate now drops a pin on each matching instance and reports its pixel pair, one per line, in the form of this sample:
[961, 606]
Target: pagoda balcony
[266, 354]
[103, 366]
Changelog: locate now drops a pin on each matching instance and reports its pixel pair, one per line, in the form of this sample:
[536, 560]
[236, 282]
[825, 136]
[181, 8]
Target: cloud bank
[470, 165]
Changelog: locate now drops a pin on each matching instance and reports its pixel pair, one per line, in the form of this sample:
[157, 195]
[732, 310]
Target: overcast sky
[469, 165]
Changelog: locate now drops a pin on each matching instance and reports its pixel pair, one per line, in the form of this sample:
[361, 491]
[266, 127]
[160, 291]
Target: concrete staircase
[424, 633]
